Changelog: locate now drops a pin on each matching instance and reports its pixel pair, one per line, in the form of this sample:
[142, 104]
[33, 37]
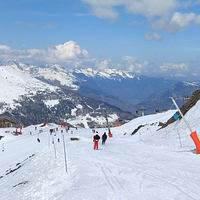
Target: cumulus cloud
[153, 36]
[69, 53]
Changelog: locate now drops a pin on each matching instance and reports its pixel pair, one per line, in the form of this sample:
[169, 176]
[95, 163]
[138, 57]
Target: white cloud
[105, 12]
[130, 63]
[172, 66]
[69, 53]
[178, 22]
[129, 59]
[153, 36]
[151, 8]
[6, 53]
[182, 20]
[103, 64]
[161, 14]
[4, 48]
[147, 8]
[66, 52]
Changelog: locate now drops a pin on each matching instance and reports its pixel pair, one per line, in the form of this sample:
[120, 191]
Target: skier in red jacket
[96, 139]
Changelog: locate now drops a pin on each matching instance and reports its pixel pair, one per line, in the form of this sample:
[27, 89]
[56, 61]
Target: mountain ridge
[33, 101]
[119, 88]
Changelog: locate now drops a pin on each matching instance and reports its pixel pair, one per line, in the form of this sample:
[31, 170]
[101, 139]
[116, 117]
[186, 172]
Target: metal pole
[54, 146]
[107, 121]
[181, 114]
[179, 135]
[64, 152]
[48, 139]
[3, 147]
[142, 112]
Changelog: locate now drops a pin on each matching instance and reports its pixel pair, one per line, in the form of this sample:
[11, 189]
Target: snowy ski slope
[150, 165]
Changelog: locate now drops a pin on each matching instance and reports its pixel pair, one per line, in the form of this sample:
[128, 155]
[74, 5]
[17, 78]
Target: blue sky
[151, 37]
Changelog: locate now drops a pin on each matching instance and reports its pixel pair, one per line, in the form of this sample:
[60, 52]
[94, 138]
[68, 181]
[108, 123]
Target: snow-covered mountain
[116, 87]
[151, 164]
[160, 101]
[15, 83]
[33, 101]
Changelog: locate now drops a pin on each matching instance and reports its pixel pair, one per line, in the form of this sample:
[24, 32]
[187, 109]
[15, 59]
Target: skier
[96, 140]
[38, 140]
[104, 138]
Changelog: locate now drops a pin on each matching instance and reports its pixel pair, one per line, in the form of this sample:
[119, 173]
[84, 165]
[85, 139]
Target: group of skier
[96, 139]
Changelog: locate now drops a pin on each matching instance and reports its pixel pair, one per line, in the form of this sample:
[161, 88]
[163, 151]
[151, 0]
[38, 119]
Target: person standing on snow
[104, 138]
[96, 139]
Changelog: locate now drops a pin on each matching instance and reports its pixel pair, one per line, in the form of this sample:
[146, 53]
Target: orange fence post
[110, 135]
[195, 138]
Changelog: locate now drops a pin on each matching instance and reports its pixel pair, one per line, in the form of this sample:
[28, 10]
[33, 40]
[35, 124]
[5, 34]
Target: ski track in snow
[125, 168]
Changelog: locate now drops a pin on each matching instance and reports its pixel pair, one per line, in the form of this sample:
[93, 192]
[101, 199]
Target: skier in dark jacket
[104, 138]
[96, 139]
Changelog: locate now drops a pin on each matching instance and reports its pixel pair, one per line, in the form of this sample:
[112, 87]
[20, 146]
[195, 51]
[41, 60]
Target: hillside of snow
[152, 164]
[16, 83]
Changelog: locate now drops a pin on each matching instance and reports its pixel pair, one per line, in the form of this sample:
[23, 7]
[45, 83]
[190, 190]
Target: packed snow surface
[149, 165]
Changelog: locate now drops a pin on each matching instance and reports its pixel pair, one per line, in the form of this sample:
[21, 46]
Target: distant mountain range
[119, 91]
[119, 88]
[160, 101]
[32, 101]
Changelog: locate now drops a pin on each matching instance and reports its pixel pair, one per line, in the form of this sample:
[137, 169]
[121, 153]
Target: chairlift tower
[142, 109]
[106, 116]
[186, 98]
